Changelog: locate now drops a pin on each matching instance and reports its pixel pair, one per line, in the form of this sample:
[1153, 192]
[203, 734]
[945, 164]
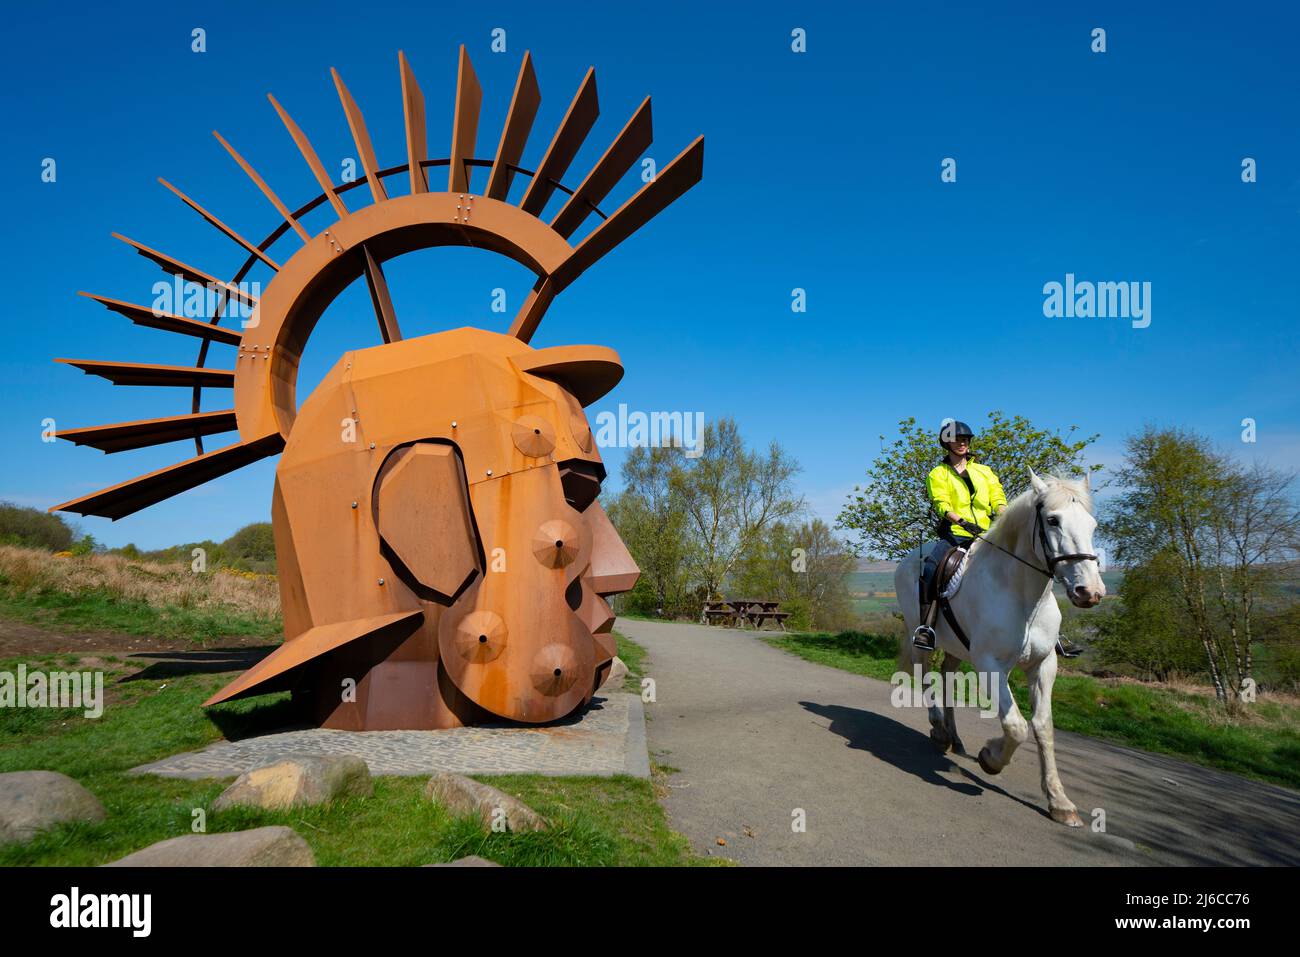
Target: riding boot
[923, 638]
[1064, 652]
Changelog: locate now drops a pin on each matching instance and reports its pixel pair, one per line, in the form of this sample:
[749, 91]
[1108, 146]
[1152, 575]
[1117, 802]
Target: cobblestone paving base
[608, 739]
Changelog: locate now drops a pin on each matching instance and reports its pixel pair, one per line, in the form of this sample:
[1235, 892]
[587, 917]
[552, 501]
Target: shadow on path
[906, 749]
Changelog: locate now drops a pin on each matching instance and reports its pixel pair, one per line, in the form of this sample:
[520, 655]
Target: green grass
[99, 610]
[633, 656]
[597, 821]
[875, 656]
[1263, 744]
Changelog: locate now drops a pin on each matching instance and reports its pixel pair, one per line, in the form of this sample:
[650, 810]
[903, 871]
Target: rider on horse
[966, 496]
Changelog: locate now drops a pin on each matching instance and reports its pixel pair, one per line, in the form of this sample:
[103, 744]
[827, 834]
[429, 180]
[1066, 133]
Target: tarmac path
[757, 734]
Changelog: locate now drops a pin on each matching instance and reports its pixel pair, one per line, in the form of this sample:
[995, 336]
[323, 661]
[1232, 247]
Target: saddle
[939, 567]
[938, 570]
[941, 564]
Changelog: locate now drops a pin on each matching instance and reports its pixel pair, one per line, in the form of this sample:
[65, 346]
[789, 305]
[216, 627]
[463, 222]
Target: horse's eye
[1053, 521]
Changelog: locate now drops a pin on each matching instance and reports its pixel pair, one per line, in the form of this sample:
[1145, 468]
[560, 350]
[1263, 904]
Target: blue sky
[822, 172]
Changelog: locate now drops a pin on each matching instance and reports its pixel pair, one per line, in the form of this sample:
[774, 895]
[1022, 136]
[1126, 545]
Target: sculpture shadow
[239, 720]
[177, 664]
[261, 715]
[906, 749]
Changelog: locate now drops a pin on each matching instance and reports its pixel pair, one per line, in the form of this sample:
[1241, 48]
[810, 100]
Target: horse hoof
[958, 747]
[984, 762]
[940, 740]
[1067, 816]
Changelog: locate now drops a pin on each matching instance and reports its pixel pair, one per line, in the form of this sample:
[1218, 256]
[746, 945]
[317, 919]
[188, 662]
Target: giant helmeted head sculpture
[442, 557]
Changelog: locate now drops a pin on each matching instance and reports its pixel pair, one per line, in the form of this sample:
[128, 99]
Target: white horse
[1006, 608]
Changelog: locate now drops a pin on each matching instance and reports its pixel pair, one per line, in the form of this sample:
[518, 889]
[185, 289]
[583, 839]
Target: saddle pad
[955, 581]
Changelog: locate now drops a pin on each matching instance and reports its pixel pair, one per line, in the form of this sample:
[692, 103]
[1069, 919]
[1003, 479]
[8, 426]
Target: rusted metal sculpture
[442, 557]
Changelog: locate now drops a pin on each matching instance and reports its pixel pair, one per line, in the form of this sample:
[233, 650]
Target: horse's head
[1067, 524]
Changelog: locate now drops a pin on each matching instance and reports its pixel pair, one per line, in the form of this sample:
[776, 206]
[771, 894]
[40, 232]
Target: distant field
[873, 591]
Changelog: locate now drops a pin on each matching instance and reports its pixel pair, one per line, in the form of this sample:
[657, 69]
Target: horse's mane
[1020, 510]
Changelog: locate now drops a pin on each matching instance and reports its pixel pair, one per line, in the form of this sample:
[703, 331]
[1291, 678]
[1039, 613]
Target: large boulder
[259, 847]
[464, 796]
[33, 801]
[299, 780]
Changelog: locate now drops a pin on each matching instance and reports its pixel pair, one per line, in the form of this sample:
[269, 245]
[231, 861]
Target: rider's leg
[924, 637]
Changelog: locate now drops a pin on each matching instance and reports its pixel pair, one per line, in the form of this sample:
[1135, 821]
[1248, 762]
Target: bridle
[1040, 531]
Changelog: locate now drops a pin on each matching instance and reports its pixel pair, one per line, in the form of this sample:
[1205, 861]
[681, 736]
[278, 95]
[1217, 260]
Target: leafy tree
[691, 522]
[806, 568]
[732, 495]
[649, 516]
[891, 514]
[1142, 630]
[252, 548]
[34, 528]
[1219, 530]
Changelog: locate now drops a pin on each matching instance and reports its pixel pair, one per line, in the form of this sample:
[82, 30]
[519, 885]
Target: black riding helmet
[952, 431]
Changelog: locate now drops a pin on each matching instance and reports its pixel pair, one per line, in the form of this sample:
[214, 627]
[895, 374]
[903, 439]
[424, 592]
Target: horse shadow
[907, 749]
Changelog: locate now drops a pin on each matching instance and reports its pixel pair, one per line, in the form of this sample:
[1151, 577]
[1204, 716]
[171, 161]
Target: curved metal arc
[321, 198]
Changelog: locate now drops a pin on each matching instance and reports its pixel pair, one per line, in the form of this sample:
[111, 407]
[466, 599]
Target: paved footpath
[757, 733]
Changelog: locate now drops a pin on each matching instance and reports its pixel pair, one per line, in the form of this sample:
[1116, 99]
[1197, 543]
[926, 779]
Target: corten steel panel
[514, 133]
[577, 123]
[221, 227]
[122, 436]
[613, 571]
[416, 129]
[442, 557]
[673, 180]
[381, 299]
[424, 517]
[143, 373]
[631, 142]
[265, 392]
[361, 136]
[147, 316]
[464, 127]
[312, 644]
[188, 273]
[261, 184]
[121, 500]
[545, 663]
[587, 372]
[309, 154]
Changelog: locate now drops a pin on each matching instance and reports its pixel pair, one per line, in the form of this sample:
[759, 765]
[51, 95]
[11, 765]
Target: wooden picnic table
[755, 611]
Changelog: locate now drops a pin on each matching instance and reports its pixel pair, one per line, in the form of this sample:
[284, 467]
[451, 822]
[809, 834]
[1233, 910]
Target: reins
[1052, 560]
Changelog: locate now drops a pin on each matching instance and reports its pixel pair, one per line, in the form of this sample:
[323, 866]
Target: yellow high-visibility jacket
[949, 493]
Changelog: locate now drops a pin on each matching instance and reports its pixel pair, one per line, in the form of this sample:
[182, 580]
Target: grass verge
[598, 821]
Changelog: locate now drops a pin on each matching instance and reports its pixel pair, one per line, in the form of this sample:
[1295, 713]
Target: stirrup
[923, 638]
[1063, 652]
